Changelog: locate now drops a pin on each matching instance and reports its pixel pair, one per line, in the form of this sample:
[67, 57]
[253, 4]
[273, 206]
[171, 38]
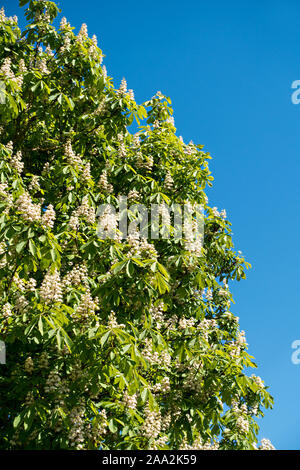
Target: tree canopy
[111, 343]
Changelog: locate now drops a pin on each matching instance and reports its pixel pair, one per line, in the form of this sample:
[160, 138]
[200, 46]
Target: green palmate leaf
[104, 338]
[112, 426]
[41, 326]
[17, 420]
[20, 246]
[32, 248]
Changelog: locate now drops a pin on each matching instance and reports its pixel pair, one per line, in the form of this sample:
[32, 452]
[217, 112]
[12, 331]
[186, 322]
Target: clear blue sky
[228, 68]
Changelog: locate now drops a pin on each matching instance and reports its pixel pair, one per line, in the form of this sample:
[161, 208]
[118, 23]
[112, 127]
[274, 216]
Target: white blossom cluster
[112, 321]
[199, 445]
[266, 445]
[130, 401]
[76, 371]
[136, 140]
[133, 196]
[93, 50]
[6, 310]
[46, 168]
[43, 361]
[140, 246]
[254, 409]
[149, 355]
[86, 174]
[101, 108]
[16, 162]
[3, 260]
[21, 303]
[53, 382]
[16, 439]
[6, 196]
[74, 222]
[163, 386]
[64, 24]
[29, 399]
[51, 288]
[154, 357]
[258, 381]
[77, 430]
[98, 428]
[8, 74]
[18, 282]
[85, 211]
[239, 344]
[166, 422]
[223, 291]
[41, 65]
[152, 424]
[242, 412]
[86, 307]
[103, 183]
[131, 94]
[144, 161]
[165, 358]
[216, 213]
[190, 149]
[2, 15]
[34, 183]
[123, 87]
[194, 240]
[10, 147]
[77, 276]
[72, 158]
[193, 381]
[28, 365]
[108, 221]
[186, 323]
[30, 211]
[170, 120]
[23, 285]
[122, 147]
[158, 443]
[193, 375]
[206, 326]
[43, 17]
[231, 317]
[83, 34]
[171, 323]
[104, 72]
[168, 182]
[157, 314]
[242, 424]
[147, 248]
[55, 385]
[94, 40]
[3, 189]
[49, 51]
[163, 211]
[66, 45]
[48, 217]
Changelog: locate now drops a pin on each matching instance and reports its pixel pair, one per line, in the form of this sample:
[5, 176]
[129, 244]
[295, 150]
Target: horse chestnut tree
[111, 343]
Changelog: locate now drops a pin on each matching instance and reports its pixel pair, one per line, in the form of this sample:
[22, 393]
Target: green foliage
[110, 343]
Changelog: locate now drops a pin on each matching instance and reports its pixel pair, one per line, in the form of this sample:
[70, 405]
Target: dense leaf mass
[110, 343]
